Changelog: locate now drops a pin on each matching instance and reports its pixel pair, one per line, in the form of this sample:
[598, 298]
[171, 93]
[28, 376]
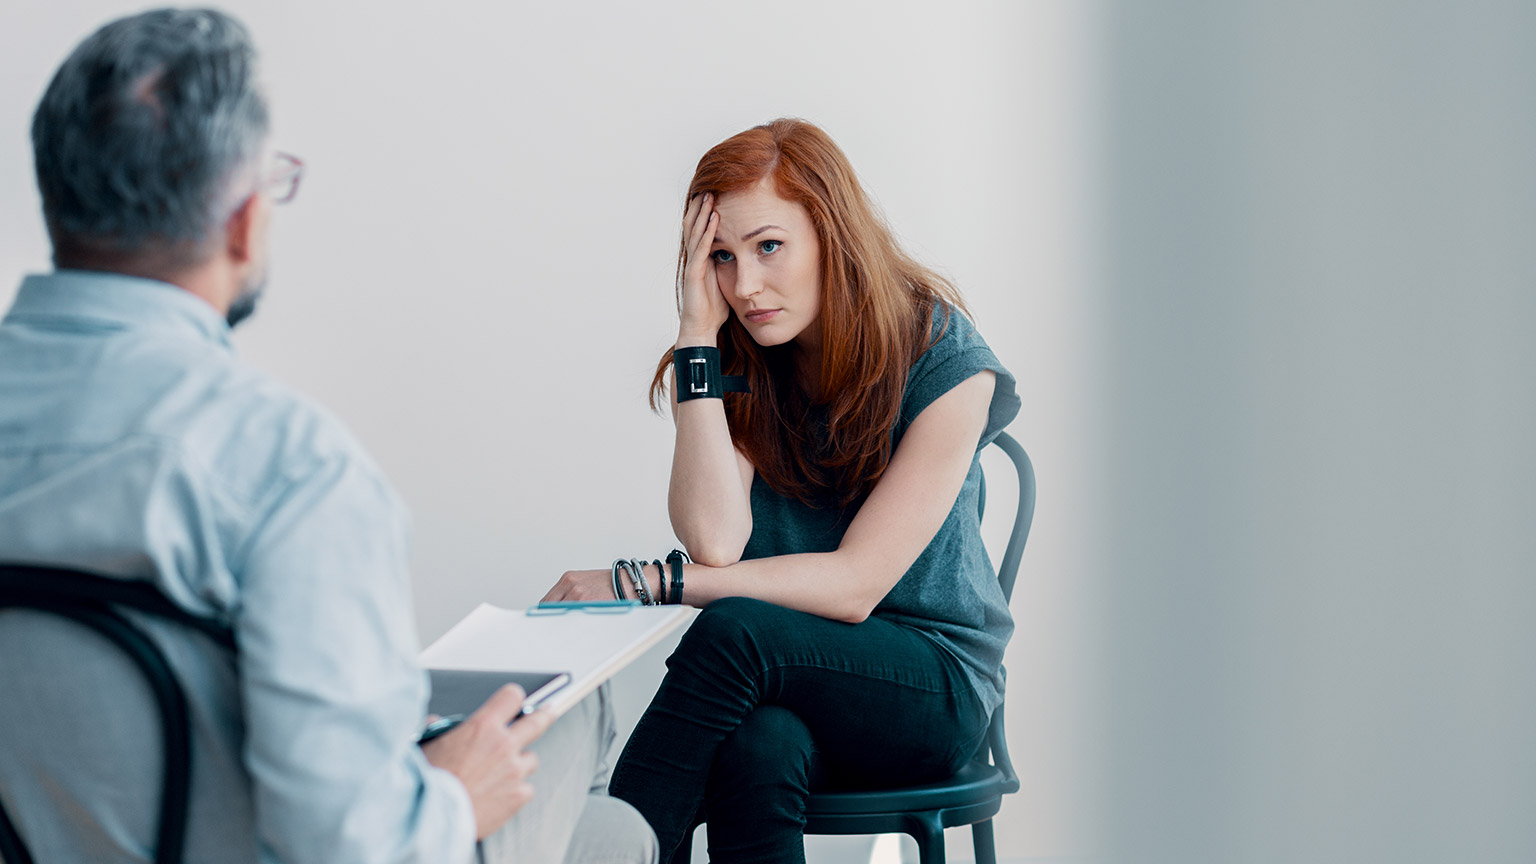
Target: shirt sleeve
[332, 692]
[959, 355]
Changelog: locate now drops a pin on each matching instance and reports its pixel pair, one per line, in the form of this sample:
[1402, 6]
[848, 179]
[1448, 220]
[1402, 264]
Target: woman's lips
[763, 316]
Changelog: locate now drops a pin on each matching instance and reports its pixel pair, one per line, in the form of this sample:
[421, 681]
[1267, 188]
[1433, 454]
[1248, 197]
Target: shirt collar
[116, 301]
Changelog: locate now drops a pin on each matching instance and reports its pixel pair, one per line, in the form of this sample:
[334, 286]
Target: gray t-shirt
[950, 594]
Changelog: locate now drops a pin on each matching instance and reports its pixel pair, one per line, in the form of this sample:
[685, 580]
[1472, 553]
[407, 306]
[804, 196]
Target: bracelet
[634, 579]
[661, 583]
[668, 591]
[697, 371]
[624, 566]
[676, 558]
[642, 587]
[618, 587]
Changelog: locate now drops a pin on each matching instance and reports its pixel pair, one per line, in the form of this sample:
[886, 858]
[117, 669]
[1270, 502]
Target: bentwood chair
[97, 603]
[975, 794]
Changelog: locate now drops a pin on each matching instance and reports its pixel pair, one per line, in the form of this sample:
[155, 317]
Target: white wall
[477, 273]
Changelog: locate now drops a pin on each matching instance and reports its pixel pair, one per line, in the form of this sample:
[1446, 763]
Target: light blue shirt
[134, 443]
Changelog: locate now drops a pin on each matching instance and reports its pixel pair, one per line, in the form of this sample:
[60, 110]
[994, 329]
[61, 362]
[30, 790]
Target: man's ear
[243, 232]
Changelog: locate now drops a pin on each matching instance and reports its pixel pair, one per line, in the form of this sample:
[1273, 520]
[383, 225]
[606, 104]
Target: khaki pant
[571, 818]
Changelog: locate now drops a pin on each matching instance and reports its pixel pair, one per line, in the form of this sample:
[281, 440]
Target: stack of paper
[590, 645]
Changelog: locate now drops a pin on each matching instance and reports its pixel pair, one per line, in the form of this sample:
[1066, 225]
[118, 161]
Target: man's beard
[244, 304]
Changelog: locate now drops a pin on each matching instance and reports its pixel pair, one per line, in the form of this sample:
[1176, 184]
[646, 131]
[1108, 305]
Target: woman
[852, 628]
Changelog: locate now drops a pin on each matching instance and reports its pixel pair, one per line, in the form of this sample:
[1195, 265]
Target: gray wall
[1317, 608]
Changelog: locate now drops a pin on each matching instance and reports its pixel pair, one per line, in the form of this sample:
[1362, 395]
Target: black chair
[94, 601]
[975, 794]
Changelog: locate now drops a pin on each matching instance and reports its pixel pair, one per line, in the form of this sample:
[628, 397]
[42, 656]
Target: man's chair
[97, 602]
[974, 795]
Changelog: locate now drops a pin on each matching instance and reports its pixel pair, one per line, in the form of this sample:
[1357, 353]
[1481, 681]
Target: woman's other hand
[705, 309]
[586, 586]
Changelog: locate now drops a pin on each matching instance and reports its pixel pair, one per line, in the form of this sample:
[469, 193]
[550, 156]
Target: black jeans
[761, 704]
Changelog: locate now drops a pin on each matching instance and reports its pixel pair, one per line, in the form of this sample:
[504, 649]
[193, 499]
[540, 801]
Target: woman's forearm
[707, 497]
[893, 526]
[833, 585]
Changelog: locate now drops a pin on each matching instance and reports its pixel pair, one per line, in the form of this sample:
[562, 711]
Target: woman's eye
[768, 247]
[721, 256]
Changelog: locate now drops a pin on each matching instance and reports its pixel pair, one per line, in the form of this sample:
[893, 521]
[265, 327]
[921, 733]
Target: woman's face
[768, 263]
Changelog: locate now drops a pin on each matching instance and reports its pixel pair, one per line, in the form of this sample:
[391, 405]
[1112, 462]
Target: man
[133, 443]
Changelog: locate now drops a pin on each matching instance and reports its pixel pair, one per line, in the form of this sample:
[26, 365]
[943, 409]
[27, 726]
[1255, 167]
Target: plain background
[1317, 616]
[1266, 273]
[477, 275]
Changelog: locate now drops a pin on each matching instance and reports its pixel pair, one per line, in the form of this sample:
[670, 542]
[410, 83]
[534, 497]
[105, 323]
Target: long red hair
[877, 308]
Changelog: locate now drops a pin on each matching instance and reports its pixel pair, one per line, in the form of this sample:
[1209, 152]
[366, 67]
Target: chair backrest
[95, 601]
[996, 742]
[1023, 517]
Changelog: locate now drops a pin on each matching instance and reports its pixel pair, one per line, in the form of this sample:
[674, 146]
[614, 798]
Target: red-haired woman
[852, 628]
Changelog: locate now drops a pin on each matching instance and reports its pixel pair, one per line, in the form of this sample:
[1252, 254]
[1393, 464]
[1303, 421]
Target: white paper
[590, 646]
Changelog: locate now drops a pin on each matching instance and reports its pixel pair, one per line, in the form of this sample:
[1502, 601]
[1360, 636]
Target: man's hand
[491, 759]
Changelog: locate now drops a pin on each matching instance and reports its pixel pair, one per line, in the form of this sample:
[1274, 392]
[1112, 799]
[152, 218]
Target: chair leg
[985, 842]
[929, 834]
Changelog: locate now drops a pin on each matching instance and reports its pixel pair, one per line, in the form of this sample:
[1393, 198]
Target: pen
[439, 726]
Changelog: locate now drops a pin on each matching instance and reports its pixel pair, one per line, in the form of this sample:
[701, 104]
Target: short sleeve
[959, 354]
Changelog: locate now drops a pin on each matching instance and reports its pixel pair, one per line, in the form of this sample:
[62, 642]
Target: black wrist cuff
[675, 558]
[697, 370]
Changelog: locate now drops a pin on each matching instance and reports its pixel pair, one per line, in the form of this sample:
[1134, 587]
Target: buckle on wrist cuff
[698, 376]
[697, 371]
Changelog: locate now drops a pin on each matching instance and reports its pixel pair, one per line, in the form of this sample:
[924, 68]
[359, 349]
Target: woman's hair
[877, 308]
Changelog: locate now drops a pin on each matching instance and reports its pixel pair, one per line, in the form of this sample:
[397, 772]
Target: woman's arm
[709, 494]
[894, 525]
[708, 497]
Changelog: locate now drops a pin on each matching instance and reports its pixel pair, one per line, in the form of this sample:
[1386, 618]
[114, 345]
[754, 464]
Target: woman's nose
[749, 281]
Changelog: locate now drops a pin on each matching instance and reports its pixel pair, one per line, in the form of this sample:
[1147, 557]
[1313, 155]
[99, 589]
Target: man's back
[133, 443]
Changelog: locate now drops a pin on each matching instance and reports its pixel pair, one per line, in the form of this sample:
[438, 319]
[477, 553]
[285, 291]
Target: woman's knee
[731, 627]
[731, 615]
[772, 745]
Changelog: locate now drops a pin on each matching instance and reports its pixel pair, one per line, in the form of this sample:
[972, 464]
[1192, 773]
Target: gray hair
[144, 131]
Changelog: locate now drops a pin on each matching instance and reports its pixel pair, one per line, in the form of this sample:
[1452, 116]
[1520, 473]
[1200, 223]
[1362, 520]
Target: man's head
[150, 146]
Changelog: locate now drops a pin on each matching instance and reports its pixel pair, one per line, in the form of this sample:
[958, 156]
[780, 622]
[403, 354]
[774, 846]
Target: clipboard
[456, 693]
[592, 644]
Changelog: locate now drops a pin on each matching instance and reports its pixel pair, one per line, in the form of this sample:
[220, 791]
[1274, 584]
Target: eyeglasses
[283, 182]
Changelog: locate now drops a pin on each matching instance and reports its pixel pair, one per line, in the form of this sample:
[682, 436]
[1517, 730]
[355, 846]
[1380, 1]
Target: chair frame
[93, 602]
[975, 794]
